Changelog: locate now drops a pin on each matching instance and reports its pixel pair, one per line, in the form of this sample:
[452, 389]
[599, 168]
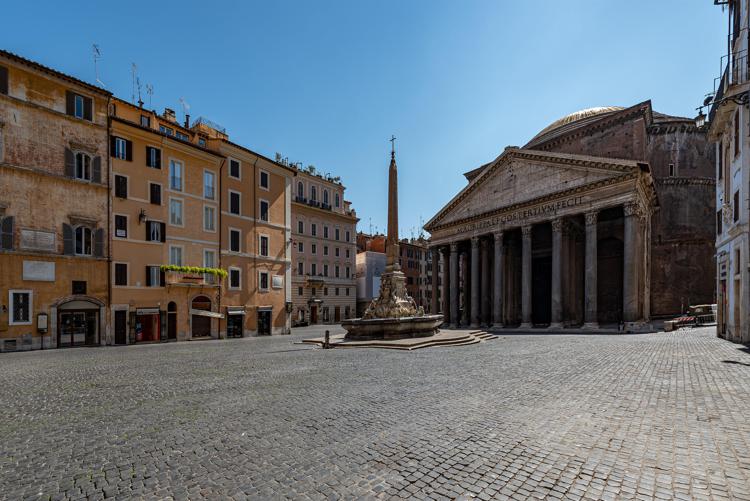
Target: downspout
[255, 241]
[109, 223]
[218, 263]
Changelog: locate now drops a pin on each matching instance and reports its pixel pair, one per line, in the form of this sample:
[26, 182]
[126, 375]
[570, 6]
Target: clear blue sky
[327, 82]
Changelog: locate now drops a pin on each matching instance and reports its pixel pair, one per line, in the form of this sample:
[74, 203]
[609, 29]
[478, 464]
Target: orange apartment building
[53, 208]
[255, 223]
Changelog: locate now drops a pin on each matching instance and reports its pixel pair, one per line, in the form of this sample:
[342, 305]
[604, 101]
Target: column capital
[557, 224]
[454, 247]
[474, 242]
[526, 230]
[498, 237]
[592, 217]
[630, 209]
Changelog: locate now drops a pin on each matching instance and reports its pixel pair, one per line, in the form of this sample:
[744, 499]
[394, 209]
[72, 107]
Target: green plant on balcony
[196, 270]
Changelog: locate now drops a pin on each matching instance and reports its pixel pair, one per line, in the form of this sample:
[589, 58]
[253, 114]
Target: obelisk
[391, 244]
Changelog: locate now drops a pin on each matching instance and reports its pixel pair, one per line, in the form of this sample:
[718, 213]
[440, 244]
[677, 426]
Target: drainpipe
[255, 238]
[109, 219]
[221, 285]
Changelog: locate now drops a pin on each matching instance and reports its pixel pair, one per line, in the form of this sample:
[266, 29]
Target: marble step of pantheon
[441, 339]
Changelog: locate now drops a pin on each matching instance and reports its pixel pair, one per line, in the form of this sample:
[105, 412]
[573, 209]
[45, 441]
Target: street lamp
[700, 120]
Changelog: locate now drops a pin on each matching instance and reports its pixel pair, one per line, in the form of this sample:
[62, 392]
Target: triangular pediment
[520, 176]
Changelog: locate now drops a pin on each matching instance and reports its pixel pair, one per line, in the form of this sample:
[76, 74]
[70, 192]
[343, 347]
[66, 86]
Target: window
[3, 80]
[264, 180]
[300, 269]
[337, 291]
[325, 197]
[325, 291]
[121, 274]
[20, 307]
[234, 168]
[121, 226]
[209, 218]
[83, 166]
[348, 272]
[671, 170]
[719, 158]
[263, 210]
[313, 269]
[300, 227]
[175, 212]
[348, 236]
[234, 240]
[175, 255]
[153, 157]
[347, 292]
[155, 231]
[120, 149]
[154, 276]
[182, 136]
[202, 142]
[145, 121]
[336, 252]
[209, 183]
[78, 287]
[166, 130]
[736, 133]
[78, 106]
[121, 186]
[325, 231]
[337, 271]
[337, 200]
[337, 234]
[325, 270]
[736, 211]
[175, 175]
[300, 291]
[314, 230]
[209, 260]
[301, 247]
[234, 202]
[83, 241]
[154, 193]
[325, 250]
[347, 253]
[235, 280]
[313, 249]
[300, 190]
[263, 280]
[313, 193]
[263, 245]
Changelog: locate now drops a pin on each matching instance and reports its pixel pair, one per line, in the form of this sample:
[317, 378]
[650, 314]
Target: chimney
[187, 121]
[169, 115]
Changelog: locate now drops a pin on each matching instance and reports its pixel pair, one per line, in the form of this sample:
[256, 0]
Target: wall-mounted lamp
[141, 216]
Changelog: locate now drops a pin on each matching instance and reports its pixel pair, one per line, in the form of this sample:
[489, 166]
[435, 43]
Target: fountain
[393, 314]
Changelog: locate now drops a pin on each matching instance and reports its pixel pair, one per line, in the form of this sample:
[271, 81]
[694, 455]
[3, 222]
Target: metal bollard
[327, 340]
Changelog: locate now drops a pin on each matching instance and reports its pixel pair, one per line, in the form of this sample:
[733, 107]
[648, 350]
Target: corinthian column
[474, 282]
[434, 254]
[556, 304]
[526, 277]
[454, 284]
[590, 314]
[630, 263]
[497, 296]
[444, 285]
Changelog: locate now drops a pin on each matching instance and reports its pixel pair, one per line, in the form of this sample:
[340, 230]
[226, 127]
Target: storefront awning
[206, 313]
[147, 311]
[235, 310]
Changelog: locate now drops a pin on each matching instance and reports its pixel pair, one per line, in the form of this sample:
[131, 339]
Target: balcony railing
[300, 199]
[735, 70]
[191, 279]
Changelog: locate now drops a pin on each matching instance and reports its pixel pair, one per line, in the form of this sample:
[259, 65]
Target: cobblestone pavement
[657, 416]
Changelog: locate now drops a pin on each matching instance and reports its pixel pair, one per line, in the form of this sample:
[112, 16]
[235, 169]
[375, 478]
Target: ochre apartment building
[53, 208]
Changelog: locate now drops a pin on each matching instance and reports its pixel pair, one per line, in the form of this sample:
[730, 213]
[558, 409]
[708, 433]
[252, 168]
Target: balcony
[313, 203]
[735, 71]
[326, 206]
[187, 279]
[300, 199]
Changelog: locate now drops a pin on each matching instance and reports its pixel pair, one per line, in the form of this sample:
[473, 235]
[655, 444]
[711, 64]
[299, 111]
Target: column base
[555, 325]
[590, 326]
[525, 325]
[496, 326]
[474, 325]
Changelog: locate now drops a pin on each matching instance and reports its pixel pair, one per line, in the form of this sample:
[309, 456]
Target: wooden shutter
[88, 104]
[99, 243]
[121, 187]
[148, 230]
[128, 150]
[3, 80]
[96, 170]
[155, 195]
[6, 233]
[70, 103]
[148, 276]
[70, 163]
[162, 278]
[148, 156]
[67, 239]
[163, 232]
[112, 145]
[158, 158]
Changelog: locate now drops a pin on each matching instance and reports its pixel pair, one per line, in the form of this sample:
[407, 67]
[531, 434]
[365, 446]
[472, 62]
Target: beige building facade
[53, 208]
[324, 232]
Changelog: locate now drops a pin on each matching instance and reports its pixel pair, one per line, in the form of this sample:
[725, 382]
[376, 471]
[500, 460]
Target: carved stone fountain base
[392, 328]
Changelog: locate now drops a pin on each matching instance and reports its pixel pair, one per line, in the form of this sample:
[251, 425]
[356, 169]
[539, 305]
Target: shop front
[264, 320]
[235, 321]
[147, 325]
[78, 322]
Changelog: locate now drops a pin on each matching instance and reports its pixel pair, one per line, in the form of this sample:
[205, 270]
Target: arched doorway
[78, 322]
[172, 321]
[201, 324]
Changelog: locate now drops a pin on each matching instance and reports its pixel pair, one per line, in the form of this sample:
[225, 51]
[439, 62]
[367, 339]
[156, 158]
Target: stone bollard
[327, 340]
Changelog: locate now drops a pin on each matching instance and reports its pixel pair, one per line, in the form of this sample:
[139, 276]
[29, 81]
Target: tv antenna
[133, 73]
[138, 85]
[150, 92]
[97, 55]
[185, 108]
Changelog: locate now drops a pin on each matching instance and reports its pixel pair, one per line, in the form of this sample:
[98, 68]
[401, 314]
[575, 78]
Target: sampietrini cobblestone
[656, 416]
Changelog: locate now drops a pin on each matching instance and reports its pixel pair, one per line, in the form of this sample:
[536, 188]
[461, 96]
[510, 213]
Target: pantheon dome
[573, 121]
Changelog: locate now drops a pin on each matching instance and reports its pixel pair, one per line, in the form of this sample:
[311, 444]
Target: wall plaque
[39, 271]
[38, 240]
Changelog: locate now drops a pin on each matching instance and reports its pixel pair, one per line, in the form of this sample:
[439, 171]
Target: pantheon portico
[548, 240]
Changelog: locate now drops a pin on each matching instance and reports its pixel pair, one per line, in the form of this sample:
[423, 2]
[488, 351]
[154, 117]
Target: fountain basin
[392, 328]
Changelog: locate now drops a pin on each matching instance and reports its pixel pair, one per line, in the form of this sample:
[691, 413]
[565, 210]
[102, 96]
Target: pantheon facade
[604, 220]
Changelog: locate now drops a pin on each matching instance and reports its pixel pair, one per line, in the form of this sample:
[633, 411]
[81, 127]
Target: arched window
[83, 241]
[83, 166]
[313, 193]
[325, 197]
[337, 200]
[300, 190]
